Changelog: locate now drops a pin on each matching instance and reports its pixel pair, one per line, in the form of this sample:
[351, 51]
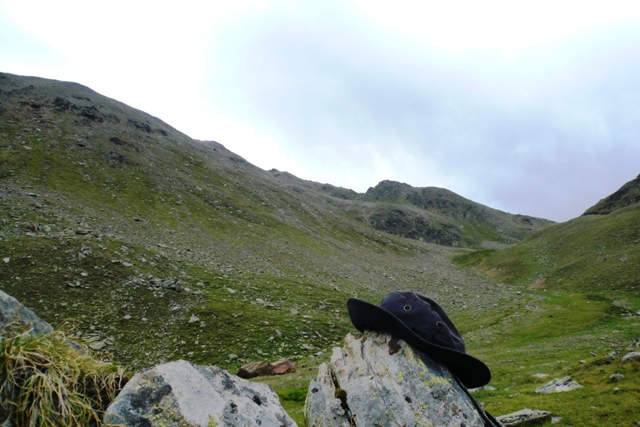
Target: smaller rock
[636, 344]
[524, 417]
[540, 376]
[615, 390]
[293, 312]
[97, 345]
[265, 369]
[6, 260]
[612, 355]
[616, 378]
[14, 317]
[558, 385]
[255, 369]
[631, 357]
[283, 366]
[487, 387]
[555, 420]
[194, 319]
[83, 231]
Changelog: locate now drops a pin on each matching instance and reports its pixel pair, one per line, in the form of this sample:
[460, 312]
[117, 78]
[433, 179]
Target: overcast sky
[527, 107]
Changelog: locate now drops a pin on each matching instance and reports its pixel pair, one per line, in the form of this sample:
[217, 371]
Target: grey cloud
[547, 147]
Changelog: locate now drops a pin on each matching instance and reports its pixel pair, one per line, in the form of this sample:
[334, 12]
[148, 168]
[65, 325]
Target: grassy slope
[590, 253]
[562, 334]
[581, 278]
[258, 246]
[274, 262]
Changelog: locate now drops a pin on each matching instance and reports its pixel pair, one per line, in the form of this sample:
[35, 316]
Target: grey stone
[612, 355]
[15, 317]
[524, 417]
[616, 378]
[630, 357]
[98, 345]
[377, 380]
[558, 385]
[182, 394]
[487, 388]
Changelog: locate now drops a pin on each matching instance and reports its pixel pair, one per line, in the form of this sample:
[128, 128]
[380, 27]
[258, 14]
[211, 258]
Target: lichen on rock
[182, 394]
[367, 385]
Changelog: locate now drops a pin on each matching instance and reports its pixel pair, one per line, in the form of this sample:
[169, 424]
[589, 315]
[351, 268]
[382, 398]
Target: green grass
[551, 333]
[538, 332]
[587, 253]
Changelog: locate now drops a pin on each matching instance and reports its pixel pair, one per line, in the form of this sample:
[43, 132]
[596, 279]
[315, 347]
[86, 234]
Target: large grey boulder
[15, 317]
[180, 394]
[380, 381]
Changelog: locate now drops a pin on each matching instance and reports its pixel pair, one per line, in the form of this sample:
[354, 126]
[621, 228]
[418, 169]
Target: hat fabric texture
[424, 325]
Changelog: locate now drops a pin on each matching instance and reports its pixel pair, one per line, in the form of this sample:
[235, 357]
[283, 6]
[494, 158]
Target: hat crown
[424, 317]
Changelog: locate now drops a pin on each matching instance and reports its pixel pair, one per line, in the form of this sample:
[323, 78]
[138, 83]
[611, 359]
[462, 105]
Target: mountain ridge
[156, 247]
[627, 195]
[102, 205]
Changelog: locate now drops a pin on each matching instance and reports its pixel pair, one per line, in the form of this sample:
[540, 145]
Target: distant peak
[628, 194]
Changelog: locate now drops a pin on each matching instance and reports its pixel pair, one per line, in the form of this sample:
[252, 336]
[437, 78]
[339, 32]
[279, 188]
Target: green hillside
[591, 253]
[156, 247]
[627, 195]
[584, 277]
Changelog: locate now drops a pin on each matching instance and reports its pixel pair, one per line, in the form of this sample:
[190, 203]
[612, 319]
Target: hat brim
[366, 316]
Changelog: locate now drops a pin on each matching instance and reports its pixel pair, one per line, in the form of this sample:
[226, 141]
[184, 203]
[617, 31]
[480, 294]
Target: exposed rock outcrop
[380, 381]
[524, 417]
[627, 195]
[182, 394]
[14, 317]
[558, 385]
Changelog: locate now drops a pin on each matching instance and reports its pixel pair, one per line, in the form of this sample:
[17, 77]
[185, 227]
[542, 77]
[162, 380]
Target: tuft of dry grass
[48, 380]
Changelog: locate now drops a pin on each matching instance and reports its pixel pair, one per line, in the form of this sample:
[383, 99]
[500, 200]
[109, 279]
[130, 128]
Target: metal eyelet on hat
[407, 307]
[440, 325]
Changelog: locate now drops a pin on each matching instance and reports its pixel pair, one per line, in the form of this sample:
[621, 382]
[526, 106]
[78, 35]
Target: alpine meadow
[149, 246]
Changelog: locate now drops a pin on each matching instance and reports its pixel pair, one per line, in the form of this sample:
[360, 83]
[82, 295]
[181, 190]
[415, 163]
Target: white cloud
[531, 108]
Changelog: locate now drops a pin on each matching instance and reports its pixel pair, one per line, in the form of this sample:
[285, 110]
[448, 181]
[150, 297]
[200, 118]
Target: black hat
[424, 325]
